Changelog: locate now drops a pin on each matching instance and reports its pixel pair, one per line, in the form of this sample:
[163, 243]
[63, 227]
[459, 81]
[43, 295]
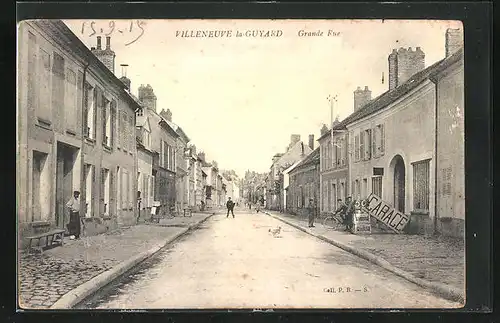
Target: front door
[399, 185]
[64, 182]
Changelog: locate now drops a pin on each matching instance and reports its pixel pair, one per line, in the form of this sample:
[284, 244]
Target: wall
[450, 152]
[332, 173]
[50, 112]
[306, 177]
[409, 132]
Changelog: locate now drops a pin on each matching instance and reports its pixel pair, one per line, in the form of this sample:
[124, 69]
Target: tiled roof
[391, 96]
[312, 158]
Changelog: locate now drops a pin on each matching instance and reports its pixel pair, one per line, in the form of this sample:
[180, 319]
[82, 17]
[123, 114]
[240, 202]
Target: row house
[160, 139]
[304, 184]
[76, 131]
[334, 167]
[407, 145]
[181, 169]
[275, 193]
[211, 194]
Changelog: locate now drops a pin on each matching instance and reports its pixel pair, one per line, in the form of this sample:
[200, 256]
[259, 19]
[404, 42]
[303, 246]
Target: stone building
[334, 166]
[275, 192]
[76, 131]
[181, 162]
[393, 143]
[304, 184]
[163, 144]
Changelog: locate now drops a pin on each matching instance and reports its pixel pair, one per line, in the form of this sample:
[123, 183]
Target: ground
[237, 263]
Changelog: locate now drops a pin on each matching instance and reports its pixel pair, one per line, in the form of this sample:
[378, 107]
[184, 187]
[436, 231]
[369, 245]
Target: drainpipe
[82, 163]
[435, 159]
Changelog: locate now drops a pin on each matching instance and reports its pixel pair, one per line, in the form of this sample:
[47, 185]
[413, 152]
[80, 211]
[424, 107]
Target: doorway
[66, 156]
[399, 183]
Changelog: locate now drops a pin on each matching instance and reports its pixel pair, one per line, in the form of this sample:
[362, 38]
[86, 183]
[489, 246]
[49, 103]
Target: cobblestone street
[436, 259]
[43, 279]
[237, 263]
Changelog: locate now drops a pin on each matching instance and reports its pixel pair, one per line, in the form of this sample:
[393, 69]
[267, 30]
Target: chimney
[294, 139]
[453, 41]
[125, 80]
[201, 155]
[166, 114]
[147, 96]
[403, 64]
[106, 56]
[361, 97]
[311, 142]
[323, 129]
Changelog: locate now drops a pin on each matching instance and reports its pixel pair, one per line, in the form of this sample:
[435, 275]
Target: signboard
[385, 213]
[361, 223]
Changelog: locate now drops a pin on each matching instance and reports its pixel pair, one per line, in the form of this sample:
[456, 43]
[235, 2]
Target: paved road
[237, 263]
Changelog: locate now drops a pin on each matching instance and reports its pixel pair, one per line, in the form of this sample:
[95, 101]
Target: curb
[442, 290]
[78, 294]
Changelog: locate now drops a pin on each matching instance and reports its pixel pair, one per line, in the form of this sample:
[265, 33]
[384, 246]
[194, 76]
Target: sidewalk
[43, 279]
[434, 259]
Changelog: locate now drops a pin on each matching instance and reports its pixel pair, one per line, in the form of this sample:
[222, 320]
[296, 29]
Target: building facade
[304, 184]
[406, 146]
[334, 168]
[76, 131]
[163, 145]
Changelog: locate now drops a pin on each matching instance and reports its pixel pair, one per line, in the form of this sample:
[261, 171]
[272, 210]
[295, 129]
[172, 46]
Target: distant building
[305, 184]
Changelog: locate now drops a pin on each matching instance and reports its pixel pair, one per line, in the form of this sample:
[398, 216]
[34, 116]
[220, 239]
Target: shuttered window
[362, 145]
[44, 110]
[421, 186]
[356, 145]
[70, 100]
[377, 186]
[113, 124]
[368, 143]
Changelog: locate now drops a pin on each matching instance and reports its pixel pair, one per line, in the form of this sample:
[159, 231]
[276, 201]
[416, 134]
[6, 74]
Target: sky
[239, 99]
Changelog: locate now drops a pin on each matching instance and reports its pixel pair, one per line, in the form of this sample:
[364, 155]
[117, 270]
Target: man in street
[74, 215]
[230, 207]
[312, 210]
[349, 213]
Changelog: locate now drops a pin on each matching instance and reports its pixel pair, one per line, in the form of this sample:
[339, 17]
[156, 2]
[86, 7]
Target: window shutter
[362, 145]
[85, 109]
[112, 123]
[94, 107]
[104, 116]
[93, 190]
[101, 193]
[382, 139]
[131, 132]
[374, 142]
[356, 143]
[112, 193]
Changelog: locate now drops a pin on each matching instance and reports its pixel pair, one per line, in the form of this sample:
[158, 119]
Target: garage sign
[385, 213]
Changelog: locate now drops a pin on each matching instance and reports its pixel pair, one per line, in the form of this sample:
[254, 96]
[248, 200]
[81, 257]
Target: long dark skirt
[74, 224]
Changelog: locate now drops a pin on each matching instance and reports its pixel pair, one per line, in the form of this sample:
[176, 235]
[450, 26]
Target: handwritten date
[134, 27]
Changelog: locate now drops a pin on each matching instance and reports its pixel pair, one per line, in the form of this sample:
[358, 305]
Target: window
[368, 144]
[356, 145]
[140, 113]
[44, 107]
[112, 123]
[32, 71]
[122, 129]
[377, 186]
[106, 122]
[362, 145]
[131, 132]
[105, 190]
[152, 188]
[421, 186]
[90, 111]
[89, 189]
[334, 197]
[329, 196]
[381, 139]
[446, 179]
[70, 102]
[365, 188]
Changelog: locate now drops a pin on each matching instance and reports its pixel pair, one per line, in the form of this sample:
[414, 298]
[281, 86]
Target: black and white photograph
[240, 164]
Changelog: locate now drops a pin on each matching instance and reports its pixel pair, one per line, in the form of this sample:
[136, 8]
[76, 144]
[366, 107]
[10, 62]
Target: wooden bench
[53, 237]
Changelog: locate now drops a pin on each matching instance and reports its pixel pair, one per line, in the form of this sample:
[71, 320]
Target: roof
[312, 158]
[68, 39]
[393, 95]
[177, 129]
[289, 169]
